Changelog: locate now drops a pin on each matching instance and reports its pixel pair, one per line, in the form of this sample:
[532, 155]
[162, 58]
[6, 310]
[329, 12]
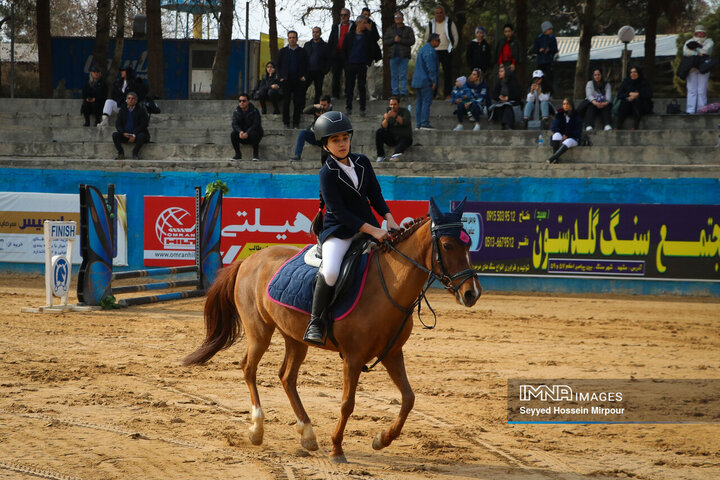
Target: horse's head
[451, 254]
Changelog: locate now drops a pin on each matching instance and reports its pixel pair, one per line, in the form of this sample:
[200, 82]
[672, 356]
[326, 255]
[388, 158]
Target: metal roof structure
[197, 7]
[609, 47]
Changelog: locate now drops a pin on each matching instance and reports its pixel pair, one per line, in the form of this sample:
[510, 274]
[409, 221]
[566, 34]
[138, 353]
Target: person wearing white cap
[697, 83]
[537, 93]
[545, 47]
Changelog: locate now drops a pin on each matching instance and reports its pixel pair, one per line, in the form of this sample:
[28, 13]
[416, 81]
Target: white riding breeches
[568, 142]
[110, 107]
[697, 85]
[333, 252]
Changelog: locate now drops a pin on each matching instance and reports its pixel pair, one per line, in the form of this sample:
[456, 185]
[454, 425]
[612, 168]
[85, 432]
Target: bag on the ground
[709, 108]
[585, 141]
[706, 64]
[686, 64]
[673, 108]
[151, 106]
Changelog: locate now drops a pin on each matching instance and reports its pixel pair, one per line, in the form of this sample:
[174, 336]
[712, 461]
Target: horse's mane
[403, 234]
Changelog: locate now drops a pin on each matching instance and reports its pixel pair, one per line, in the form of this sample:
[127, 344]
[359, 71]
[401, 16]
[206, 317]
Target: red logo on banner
[248, 225]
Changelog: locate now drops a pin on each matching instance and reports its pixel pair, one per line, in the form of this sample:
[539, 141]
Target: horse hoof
[377, 442]
[338, 459]
[256, 437]
[309, 444]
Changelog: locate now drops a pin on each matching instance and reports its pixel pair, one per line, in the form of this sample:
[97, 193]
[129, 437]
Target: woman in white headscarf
[697, 83]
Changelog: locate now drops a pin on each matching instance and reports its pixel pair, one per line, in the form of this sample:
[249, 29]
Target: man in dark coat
[507, 49]
[94, 95]
[292, 74]
[335, 43]
[132, 126]
[246, 127]
[318, 53]
[358, 50]
[398, 41]
[479, 54]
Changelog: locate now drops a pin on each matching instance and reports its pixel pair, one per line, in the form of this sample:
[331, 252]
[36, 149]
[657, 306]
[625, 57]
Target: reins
[445, 279]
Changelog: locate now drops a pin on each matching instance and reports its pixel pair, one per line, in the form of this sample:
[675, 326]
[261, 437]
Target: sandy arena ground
[102, 395]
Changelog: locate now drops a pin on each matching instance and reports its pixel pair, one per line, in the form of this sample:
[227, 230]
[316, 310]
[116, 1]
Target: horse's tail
[222, 320]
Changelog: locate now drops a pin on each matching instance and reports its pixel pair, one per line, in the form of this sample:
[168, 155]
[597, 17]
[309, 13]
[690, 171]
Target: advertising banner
[249, 225]
[619, 241]
[21, 225]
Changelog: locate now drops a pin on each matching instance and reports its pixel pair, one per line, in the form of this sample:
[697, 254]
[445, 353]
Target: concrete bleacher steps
[194, 136]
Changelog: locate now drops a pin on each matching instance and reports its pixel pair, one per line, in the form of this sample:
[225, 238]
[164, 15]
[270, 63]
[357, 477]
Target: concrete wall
[687, 191]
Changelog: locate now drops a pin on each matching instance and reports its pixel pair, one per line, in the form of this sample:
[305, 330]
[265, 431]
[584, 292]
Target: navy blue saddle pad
[292, 286]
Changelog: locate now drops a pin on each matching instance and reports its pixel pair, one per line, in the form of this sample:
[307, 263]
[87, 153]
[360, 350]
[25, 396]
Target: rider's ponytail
[317, 223]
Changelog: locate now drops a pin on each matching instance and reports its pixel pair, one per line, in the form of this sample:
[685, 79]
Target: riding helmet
[329, 124]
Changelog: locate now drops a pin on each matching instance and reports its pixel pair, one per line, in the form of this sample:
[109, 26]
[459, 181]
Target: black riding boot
[555, 144]
[315, 332]
[555, 156]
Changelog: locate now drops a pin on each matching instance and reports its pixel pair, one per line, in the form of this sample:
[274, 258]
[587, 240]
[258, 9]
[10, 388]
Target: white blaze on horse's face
[476, 289]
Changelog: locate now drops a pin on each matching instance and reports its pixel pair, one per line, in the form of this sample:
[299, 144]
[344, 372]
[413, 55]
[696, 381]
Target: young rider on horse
[347, 182]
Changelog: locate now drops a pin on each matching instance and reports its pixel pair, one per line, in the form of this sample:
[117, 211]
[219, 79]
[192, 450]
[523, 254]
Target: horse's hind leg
[395, 365]
[294, 356]
[258, 339]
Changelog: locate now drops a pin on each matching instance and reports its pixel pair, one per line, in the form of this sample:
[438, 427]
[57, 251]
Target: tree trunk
[650, 36]
[222, 54]
[272, 20]
[387, 13]
[44, 48]
[521, 34]
[337, 5]
[154, 48]
[102, 35]
[458, 51]
[587, 26]
[119, 43]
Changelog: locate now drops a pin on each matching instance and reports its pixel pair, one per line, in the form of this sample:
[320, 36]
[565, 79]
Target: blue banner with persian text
[620, 241]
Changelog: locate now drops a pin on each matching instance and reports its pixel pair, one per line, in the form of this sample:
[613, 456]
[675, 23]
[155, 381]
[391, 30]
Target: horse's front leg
[395, 365]
[351, 375]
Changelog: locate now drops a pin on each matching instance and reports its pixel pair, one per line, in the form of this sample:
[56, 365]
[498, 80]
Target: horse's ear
[460, 208]
[435, 213]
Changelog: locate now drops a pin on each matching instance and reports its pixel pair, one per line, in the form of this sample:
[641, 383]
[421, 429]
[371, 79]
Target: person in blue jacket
[348, 188]
[545, 47]
[567, 130]
[425, 80]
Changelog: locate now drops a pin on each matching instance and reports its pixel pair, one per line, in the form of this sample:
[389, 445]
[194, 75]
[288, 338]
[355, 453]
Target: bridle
[443, 277]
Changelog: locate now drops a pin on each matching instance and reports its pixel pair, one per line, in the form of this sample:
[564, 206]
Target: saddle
[293, 284]
[361, 245]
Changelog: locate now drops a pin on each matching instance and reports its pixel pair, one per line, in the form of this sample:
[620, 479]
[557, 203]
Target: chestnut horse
[377, 327]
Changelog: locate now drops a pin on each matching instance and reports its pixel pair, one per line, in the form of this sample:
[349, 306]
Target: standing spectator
[478, 52]
[506, 95]
[268, 88]
[537, 93]
[292, 72]
[132, 126]
[308, 135]
[375, 53]
[318, 54]
[545, 47]
[567, 130]
[335, 43]
[461, 97]
[507, 49]
[358, 48]
[246, 127]
[598, 95]
[395, 130]
[446, 29]
[127, 82]
[94, 94]
[635, 97]
[425, 79]
[697, 83]
[398, 41]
